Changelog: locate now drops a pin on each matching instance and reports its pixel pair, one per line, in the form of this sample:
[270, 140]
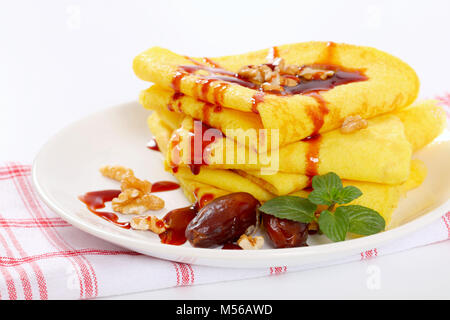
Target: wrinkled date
[223, 220]
[285, 233]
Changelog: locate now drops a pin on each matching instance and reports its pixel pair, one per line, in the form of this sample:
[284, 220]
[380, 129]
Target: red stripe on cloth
[94, 277]
[20, 170]
[17, 166]
[36, 211]
[20, 270]
[446, 220]
[184, 274]
[33, 223]
[11, 261]
[42, 285]
[192, 273]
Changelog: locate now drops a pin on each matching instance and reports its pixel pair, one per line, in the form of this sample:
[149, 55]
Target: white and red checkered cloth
[44, 257]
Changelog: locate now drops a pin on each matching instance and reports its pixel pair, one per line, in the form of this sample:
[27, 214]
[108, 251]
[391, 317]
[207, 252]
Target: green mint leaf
[363, 221]
[320, 197]
[348, 194]
[327, 181]
[290, 207]
[326, 189]
[334, 226]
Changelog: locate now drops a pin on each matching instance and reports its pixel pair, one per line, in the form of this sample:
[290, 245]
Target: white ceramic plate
[67, 166]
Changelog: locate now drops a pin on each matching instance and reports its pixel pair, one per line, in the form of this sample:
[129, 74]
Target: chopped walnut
[286, 69]
[353, 123]
[131, 182]
[132, 201]
[150, 223]
[256, 74]
[250, 243]
[135, 197]
[310, 73]
[276, 74]
[289, 82]
[274, 84]
[116, 172]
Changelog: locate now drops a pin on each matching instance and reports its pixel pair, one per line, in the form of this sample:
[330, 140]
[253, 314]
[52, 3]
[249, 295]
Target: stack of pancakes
[221, 134]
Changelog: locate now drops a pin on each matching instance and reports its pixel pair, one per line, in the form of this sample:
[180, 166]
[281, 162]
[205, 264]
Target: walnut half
[116, 172]
[250, 243]
[257, 74]
[135, 197]
[132, 201]
[150, 223]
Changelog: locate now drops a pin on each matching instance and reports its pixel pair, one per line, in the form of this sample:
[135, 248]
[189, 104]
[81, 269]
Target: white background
[62, 60]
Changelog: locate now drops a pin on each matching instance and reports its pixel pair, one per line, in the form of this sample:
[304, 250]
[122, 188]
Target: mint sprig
[328, 190]
[334, 223]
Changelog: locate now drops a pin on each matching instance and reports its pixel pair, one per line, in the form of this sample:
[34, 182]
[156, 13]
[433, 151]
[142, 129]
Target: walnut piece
[250, 243]
[274, 84]
[310, 73]
[257, 74]
[353, 123]
[150, 223]
[289, 82]
[131, 182]
[276, 74]
[135, 197]
[286, 69]
[116, 172]
[132, 201]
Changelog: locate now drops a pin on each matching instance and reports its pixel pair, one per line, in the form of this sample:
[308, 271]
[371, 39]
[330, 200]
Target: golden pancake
[391, 84]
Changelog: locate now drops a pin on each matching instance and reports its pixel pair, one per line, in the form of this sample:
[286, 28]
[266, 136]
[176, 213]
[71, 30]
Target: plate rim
[256, 256]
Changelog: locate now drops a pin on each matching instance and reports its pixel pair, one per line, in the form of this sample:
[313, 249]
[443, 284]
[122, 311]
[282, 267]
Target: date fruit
[285, 233]
[222, 220]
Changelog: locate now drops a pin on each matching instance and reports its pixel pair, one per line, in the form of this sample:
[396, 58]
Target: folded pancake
[226, 180]
[385, 84]
[161, 131]
[423, 122]
[380, 153]
[161, 100]
[279, 183]
[200, 192]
